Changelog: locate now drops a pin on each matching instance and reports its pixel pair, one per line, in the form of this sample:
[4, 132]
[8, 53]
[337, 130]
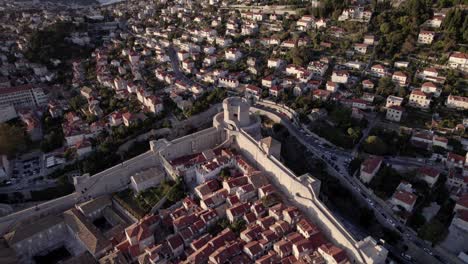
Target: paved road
[373, 121]
[171, 52]
[337, 161]
[26, 186]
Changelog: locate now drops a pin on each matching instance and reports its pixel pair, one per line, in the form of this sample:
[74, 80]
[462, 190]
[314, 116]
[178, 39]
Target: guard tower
[236, 112]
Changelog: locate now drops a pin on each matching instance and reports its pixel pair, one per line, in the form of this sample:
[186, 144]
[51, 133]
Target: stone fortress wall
[301, 191]
[86, 187]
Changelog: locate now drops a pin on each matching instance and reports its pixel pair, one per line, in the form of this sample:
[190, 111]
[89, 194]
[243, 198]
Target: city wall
[33, 213]
[193, 143]
[302, 192]
[108, 181]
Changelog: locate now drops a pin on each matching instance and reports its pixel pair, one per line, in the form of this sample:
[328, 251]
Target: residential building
[429, 174]
[25, 96]
[419, 99]
[369, 168]
[331, 86]
[340, 77]
[394, 113]
[393, 101]
[400, 78]
[404, 199]
[458, 102]
[378, 70]
[458, 60]
[431, 88]
[426, 37]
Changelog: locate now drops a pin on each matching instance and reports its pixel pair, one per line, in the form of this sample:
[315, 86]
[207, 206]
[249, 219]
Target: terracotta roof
[405, 197]
[463, 201]
[337, 253]
[201, 241]
[253, 247]
[370, 164]
[428, 171]
[460, 55]
[307, 227]
[175, 242]
[452, 157]
[463, 215]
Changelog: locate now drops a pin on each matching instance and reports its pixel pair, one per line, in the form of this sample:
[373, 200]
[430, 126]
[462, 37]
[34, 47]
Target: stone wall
[33, 213]
[111, 180]
[289, 112]
[194, 143]
[115, 178]
[302, 192]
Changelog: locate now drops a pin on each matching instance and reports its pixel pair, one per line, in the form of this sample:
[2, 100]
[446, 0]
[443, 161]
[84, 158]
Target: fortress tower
[236, 111]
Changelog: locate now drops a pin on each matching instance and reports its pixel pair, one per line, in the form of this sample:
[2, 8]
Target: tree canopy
[51, 42]
[374, 145]
[12, 139]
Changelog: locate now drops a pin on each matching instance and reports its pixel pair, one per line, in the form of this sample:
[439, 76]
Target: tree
[277, 127]
[374, 145]
[166, 123]
[354, 133]
[77, 102]
[409, 46]
[402, 92]
[225, 173]
[176, 193]
[341, 116]
[390, 236]
[70, 154]
[52, 141]
[12, 139]
[237, 226]
[433, 231]
[384, 28]
[417, 220]
[385, 87]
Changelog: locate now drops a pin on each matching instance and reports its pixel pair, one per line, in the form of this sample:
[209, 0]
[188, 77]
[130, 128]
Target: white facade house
[431, 88]
[340, 77]
[361, 48]
[426, 37]
[419, 99]
[458, 102]
[228, 82]
[394, 113]
[331, 86]
[378, 70]
[400, 78]
[275, 63]
[233, 54]
[369, 168]
[393, 100]
[458, 60]
[404, 199]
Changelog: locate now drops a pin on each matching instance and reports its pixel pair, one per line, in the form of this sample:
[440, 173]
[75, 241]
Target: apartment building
[24, 96]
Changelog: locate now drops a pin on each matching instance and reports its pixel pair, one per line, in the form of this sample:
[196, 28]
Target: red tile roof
[405, 197]
[463, 201]
[337, 253]
[370, 164]
[428, 171]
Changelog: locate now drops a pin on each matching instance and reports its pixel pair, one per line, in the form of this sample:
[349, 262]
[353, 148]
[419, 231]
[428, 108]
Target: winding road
[336, 161]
